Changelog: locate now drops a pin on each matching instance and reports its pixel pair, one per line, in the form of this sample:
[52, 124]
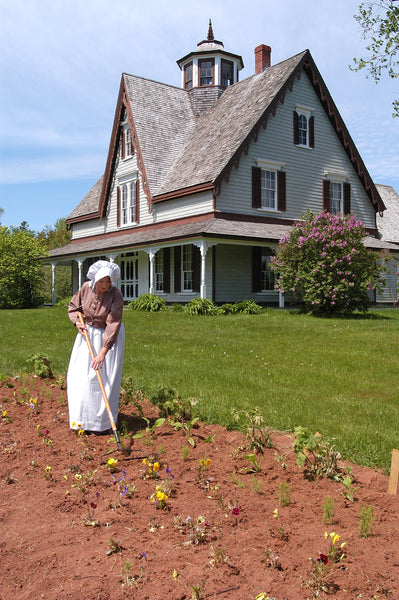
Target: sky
[61, 63]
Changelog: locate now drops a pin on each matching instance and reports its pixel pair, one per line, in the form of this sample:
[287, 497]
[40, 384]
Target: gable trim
[122, 103]
[308, 65]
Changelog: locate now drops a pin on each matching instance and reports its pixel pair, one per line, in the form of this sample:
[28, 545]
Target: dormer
[208, 70]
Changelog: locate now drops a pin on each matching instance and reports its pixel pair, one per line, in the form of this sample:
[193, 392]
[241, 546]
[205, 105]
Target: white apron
[86, 405]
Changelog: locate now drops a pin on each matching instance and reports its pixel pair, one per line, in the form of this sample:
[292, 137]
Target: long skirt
[86, 405]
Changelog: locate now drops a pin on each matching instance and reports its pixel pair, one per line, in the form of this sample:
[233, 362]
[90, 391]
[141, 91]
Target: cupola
[208, 70]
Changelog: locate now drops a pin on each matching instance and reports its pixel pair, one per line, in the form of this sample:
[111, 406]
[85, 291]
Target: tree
[380, 23]
[20, 268]
[55, 237]
[325, 265]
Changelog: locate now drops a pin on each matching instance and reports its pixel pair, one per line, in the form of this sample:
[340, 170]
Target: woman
[101, 304]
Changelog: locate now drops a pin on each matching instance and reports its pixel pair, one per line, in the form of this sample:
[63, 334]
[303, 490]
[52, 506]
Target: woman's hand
[97, 363]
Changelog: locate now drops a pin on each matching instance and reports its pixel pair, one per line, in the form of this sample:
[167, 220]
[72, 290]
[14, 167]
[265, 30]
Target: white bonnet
[103, 268]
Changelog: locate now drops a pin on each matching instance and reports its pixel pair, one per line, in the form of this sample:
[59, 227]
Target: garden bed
[231, 527]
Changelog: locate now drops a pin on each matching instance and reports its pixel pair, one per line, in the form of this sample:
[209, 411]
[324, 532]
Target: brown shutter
[166, 272]
[256, 191]
[118, 206]
[123, 145]
[311, 132]
[196, 269]
[326, 195]
[131, 143]
[347, 198]
[137, 202]
[281, 190]
[296, 128]
[177, 269]
[256, 268]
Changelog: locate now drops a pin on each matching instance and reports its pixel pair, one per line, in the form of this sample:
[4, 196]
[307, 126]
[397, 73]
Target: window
[227, 73]
[129, 280]
[127, 203]
[263, 278]
[187, 268]
[188, 76]
[127, 149]
[206, 71]
[268, 187]
[267, 275]
[337, 196]
[303, 127]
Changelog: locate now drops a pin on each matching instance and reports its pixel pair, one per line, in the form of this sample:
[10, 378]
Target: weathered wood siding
[305, 168]
[389, 294]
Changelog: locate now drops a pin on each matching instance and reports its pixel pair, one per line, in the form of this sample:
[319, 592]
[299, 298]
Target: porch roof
[221, 229]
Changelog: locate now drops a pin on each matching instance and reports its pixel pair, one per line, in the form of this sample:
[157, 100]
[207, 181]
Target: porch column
[80, 265]
[280, 300]
[53, 282]
[203, 246]
[151, 255]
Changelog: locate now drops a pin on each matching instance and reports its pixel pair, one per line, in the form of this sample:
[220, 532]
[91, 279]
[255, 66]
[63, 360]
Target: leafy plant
[39, 365]
[171, 404]
[328, 510]
[148, 303]
[246, 307]
[149, 430]
[252, 423]
[284, 494]
[316, 455]
[349, 492]
[366, 521]
[201, 306]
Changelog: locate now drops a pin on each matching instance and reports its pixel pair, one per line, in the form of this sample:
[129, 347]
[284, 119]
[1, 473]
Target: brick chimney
[262, 58]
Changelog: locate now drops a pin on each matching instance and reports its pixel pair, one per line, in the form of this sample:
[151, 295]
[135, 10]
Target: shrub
[317, 456]
[246, 307]
[170, 403]
[40, 366]
[148, 302]
[201, 306]
[325, 264]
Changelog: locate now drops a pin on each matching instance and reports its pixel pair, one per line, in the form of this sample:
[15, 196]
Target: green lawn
[338, 376]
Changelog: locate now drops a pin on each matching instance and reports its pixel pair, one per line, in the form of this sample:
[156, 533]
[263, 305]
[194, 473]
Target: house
[202, 181]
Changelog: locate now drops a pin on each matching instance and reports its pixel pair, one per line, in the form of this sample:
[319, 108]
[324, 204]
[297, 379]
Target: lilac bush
[324, 264]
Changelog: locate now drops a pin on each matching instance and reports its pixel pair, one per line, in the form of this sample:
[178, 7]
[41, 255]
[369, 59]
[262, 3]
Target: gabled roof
[88, 207]
[178, 154]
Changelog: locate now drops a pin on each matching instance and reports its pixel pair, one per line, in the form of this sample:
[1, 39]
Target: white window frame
[336, 197]
[128, 201]
[303, 124]
[269, 166]
[187, 273]
[159, 271]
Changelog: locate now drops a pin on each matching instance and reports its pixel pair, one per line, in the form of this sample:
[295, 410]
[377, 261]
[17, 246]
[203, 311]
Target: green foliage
[349, 492]
[20, 268]
[57, 236]
[380, 23]
[246, 307]
[317, 456]
[366, 521]
[325, 264]
[201, 306]
[148, 303]
[171, 404]
[284, 493]
[328, 510]
[39, 365]
[252, 423]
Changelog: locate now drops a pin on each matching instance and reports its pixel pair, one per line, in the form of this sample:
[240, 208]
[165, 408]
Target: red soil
[68, 533]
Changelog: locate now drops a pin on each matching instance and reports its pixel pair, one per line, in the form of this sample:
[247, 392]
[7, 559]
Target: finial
[210, 32]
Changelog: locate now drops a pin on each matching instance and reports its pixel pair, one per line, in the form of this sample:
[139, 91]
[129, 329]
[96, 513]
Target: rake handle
[100, 381]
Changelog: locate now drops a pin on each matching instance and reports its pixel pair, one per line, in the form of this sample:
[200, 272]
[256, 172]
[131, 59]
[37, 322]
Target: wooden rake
[126, 451]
